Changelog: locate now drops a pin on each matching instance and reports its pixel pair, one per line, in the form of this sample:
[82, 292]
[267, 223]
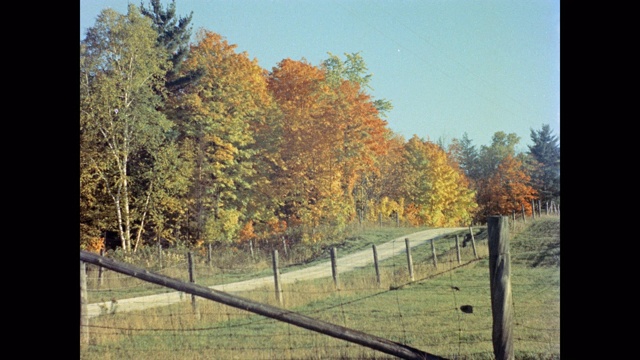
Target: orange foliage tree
[507, 190]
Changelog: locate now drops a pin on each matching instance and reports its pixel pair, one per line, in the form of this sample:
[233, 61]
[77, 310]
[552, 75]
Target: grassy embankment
[422, 314]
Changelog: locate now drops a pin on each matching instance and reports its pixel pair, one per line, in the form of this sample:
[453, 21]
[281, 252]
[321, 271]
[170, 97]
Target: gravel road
[345, 263]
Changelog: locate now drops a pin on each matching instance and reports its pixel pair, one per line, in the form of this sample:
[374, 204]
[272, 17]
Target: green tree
[546, 152]
[122, 71]
[466, 154]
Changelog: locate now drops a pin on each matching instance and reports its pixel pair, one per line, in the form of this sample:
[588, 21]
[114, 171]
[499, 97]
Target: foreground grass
[423, 314]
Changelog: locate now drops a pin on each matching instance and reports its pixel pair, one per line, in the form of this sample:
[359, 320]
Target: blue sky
[447, 66]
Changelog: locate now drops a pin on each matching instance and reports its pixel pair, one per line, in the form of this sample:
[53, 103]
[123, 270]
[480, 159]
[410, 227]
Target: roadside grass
[424, 314]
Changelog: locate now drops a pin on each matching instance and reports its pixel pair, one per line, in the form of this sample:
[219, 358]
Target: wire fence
[446, 310]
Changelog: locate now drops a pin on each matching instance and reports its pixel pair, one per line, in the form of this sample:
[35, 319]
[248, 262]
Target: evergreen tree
[546, 152]
[173, 35]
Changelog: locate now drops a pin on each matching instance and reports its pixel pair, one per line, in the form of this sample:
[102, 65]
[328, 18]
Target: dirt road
[345, 263]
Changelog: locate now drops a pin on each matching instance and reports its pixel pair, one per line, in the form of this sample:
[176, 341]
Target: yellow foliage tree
[438, 191]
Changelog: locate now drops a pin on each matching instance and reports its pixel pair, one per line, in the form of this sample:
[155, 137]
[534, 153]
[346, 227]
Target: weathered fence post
[375, 264]
[524, 218]
[533, 209]
[409, 259]
[500, 269]
[539, 208]
[334, 268]
[433, 250]
[473, 242]
[192, 279]
[380, 219]
[159, 254]
[284, 245]
[458, 249]
[209, 256]
[251, 249]
[397, 219]
[100, 271]
[84, 315]
[276, 276]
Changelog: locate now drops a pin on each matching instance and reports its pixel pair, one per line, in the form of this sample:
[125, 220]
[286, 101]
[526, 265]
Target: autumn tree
[506, 190]
[122, 71]
[436, 191]
[216, 114]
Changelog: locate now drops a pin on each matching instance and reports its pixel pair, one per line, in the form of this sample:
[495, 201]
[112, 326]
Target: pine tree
[546, 152]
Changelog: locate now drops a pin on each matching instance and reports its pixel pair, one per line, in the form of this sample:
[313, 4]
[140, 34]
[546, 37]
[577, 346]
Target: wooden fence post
[251, 249]
[284, 245]
[380, 219]
[100, 271]
[276, 276]
[433, 250]
[500, 269]
[375, 264]
[160, 254]
[192, 279]
[524, 218]
[473, 242]
[533, 209]
[84, 315]
[209, 256]
[458, 249]
[397, 219]
[334, 268]
[539, 208]
[409, 259]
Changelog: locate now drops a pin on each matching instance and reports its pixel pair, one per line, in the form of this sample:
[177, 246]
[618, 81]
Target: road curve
[345, 263]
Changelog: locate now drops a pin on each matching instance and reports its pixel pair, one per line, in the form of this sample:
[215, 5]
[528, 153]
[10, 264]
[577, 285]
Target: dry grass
[422, 314]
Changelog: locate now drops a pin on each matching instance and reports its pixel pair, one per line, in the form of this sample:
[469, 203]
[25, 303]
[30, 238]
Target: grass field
[423, 314]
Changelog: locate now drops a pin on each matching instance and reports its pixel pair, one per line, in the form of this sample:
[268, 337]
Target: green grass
[423, 314]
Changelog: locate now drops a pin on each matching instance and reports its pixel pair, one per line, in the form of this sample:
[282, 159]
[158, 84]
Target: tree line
[195, 142]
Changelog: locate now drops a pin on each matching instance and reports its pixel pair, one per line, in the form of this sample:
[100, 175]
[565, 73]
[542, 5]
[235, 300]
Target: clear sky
[447, 66]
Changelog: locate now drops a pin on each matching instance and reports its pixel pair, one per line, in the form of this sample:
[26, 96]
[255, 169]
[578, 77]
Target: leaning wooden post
[84, 315]
[192, 279]
[276, 276]
[433, 250]
[375, 263]
[100, 271]
[334, 268]
[409, 259]
[524, 218]
[500, 269]
[458, 249]
[473, 242]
